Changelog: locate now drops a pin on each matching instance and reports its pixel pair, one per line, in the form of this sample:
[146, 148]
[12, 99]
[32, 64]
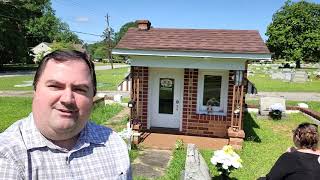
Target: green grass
[265, 141]
[265, 84]
[176, 165]
[102, 113]
[110, 79]
[8, 83]
[13, 109]
[313, 105]
[106, 79]
[133, 154]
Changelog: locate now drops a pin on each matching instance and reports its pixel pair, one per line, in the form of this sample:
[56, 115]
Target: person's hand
[291, 149]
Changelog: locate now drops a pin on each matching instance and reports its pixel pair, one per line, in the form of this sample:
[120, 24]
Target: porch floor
[167, 141]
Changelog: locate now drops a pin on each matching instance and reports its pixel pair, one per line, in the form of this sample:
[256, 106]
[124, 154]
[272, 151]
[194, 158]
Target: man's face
[63, 99]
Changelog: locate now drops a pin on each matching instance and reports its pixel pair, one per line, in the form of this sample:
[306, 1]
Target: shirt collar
[34, 139]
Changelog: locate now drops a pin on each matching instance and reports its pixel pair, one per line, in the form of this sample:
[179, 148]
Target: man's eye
[53, 87]
[81, 90]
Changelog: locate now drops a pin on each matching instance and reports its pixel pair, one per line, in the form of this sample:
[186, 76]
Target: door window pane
[212, 90]
[166, 92]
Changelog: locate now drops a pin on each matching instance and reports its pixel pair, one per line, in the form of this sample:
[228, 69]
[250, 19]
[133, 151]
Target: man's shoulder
[95, 129]
[11, 140]
[102, 134]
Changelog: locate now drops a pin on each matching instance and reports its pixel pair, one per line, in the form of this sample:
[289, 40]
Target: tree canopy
[24, 24]
[99, 49]
[123, 31]
[294, 33]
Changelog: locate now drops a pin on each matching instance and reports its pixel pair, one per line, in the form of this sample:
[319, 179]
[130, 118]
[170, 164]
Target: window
[166, 94]
[212, 92]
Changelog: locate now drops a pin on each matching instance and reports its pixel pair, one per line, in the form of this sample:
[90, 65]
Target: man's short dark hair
[66, 55]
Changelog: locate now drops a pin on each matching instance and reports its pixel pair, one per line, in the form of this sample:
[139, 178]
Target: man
[56, 141]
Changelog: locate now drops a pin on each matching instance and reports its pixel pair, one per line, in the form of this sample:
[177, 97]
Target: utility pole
[108, 39]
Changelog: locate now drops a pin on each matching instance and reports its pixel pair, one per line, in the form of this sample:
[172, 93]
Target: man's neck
[67, 144]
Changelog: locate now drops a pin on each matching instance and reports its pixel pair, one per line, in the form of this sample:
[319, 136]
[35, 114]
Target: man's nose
[67, 96]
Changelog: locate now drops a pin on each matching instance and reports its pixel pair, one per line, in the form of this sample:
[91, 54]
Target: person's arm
[283, 166]
[8, 169]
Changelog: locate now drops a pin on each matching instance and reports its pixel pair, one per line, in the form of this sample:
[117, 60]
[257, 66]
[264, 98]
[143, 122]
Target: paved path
[294, 96]
[120, 116]
[151, 163]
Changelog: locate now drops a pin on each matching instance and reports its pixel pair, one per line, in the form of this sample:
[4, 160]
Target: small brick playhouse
[190, 81]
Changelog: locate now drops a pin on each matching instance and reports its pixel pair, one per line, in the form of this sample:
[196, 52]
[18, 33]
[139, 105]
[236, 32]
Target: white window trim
[222, 109]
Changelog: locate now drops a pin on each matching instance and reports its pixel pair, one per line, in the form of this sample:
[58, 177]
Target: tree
[294, 33]
[123, 31]
[24, 24]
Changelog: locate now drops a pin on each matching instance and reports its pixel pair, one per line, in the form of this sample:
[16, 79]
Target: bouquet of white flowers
[226, 160]
[276, 111]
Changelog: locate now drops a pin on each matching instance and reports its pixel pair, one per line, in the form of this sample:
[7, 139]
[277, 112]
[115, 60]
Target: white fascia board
[187, 62]
[191, 54]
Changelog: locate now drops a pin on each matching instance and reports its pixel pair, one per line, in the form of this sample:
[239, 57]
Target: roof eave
[227, 55]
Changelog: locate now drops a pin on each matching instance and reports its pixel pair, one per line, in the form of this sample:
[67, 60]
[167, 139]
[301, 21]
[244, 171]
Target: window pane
[211, 90]
[166, 90]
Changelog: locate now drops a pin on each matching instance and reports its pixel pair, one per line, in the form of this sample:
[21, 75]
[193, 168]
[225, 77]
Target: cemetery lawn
[8, 83]
[265, 141]
[107, 80]
[264, 83]
[313, 105]
[13, 109]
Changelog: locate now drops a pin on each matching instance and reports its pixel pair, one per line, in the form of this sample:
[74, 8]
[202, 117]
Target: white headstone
[267, 102]
[300, 76]
[277, 75]
[117, 98]
[303, 105]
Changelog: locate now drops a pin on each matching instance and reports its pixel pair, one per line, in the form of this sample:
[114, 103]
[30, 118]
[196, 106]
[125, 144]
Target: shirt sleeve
[8, 169]
[283, 166]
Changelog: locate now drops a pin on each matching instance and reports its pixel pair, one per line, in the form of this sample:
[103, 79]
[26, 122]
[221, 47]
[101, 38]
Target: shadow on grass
[249, 124]
[221, 178]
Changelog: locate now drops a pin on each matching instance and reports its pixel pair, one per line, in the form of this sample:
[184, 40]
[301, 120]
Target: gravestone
[266, 102]
[300, 77]
[195, 166]
[287, 74]
[277, 75]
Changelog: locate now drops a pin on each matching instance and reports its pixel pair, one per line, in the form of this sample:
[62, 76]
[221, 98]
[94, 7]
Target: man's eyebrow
[81, 85]
[53, 82]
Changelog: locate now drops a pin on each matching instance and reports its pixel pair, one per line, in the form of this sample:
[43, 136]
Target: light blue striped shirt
[26, 154]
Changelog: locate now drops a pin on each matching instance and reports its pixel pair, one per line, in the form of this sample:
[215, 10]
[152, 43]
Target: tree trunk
[298, 64]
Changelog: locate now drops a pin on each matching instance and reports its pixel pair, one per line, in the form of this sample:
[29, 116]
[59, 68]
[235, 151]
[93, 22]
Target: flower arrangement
[226, 160]
[276, 111]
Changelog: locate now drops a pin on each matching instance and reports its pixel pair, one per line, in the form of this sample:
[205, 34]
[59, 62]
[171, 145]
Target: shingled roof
[194, 40]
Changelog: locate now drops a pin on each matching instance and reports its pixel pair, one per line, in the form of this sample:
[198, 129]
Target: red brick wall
[201, 124]
[192, 123]
[140, 94]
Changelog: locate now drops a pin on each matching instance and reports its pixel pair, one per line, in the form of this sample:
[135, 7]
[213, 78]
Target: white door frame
[177, 74]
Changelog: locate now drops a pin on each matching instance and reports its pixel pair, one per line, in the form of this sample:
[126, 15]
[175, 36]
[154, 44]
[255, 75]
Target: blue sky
[89, 16]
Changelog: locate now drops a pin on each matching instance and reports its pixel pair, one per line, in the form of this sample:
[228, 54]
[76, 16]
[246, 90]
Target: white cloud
[82, 19]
